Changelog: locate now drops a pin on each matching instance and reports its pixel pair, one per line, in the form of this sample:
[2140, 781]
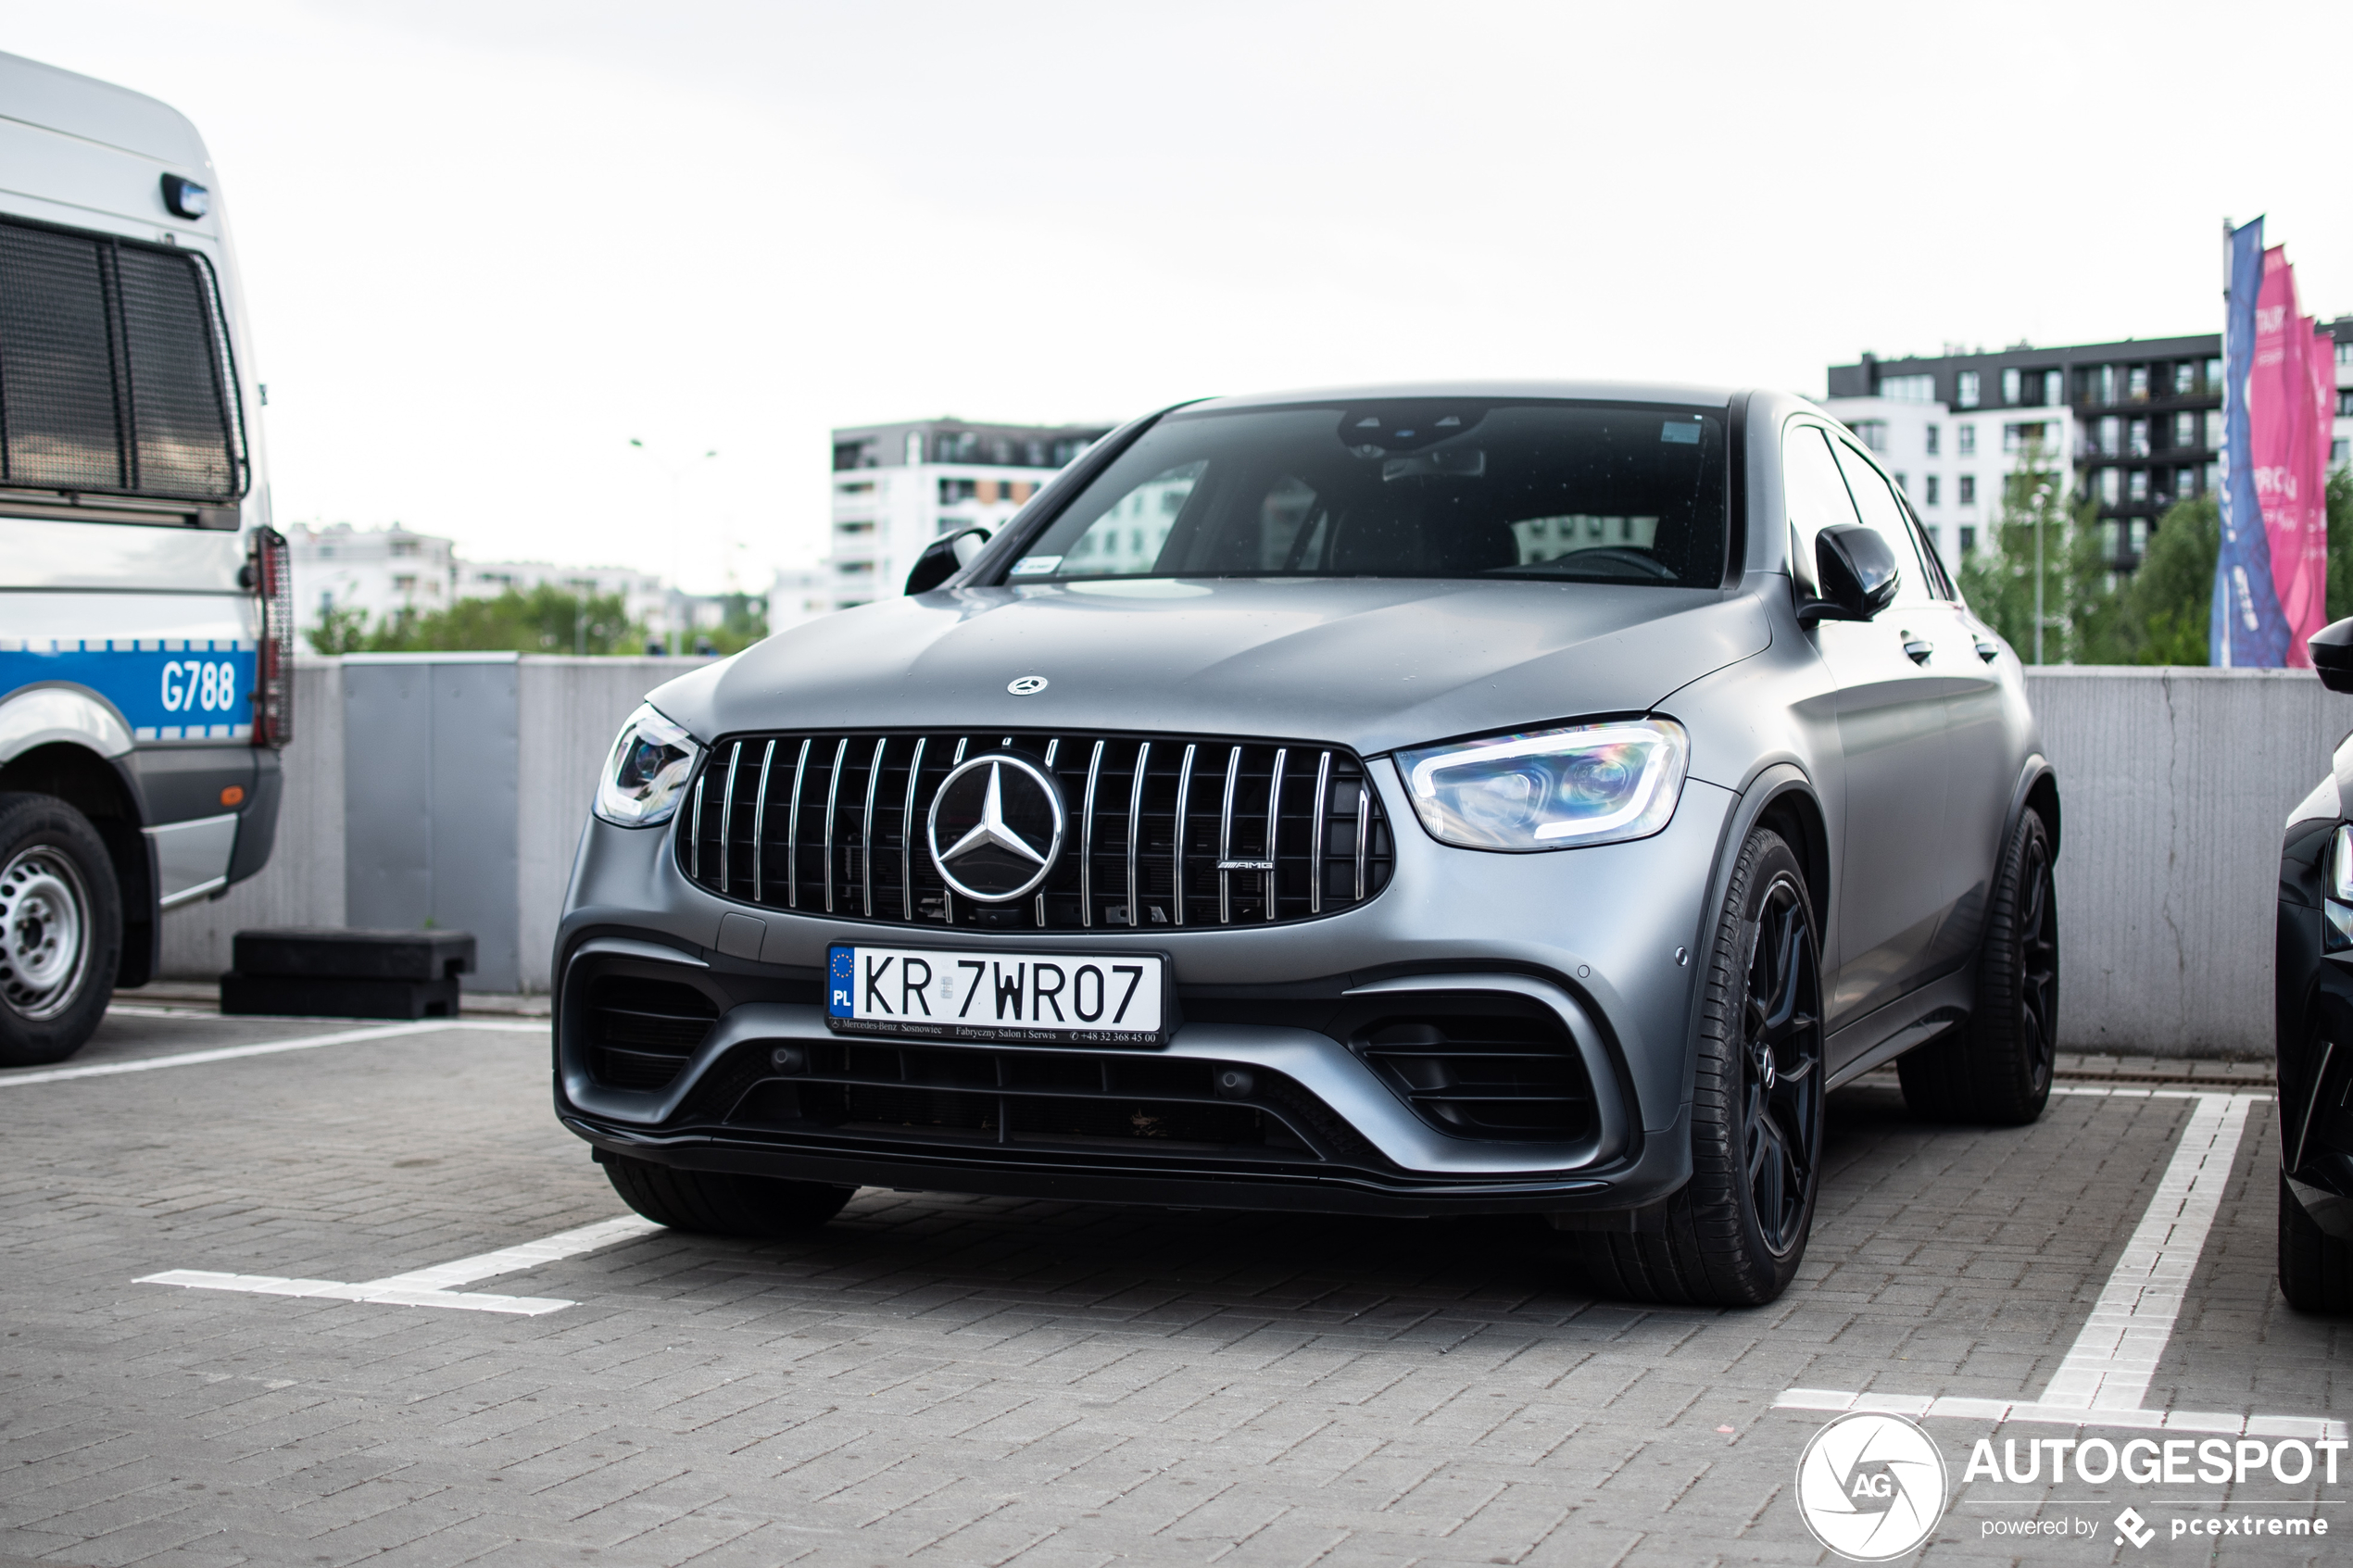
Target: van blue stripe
[168, 689]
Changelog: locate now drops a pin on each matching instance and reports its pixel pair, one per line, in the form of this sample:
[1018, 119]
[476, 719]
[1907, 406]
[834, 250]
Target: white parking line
[430, 1287]
[267, 1048]
[2106, 1372]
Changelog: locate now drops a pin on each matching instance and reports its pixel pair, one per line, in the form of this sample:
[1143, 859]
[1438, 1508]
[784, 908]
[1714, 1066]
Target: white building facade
[643, 597]
[898, 487]
[378, 572]
[1952, 464]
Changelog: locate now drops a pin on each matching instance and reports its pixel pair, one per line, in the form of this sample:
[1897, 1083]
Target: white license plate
[1036, 999]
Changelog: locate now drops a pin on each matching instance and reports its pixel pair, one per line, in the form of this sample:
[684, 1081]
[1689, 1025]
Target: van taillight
[273, 679]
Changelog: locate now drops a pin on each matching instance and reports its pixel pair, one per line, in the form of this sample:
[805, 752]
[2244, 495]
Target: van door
[1891, 728]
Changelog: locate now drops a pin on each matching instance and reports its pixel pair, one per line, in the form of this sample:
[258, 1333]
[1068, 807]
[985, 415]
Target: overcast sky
[485, 244]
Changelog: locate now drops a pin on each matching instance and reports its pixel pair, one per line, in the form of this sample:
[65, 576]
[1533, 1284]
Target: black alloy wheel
[1998, 1066]
[1735, 1234]
[1781, 1053]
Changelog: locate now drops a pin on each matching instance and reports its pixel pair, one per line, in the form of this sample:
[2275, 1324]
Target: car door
[1971, 664]
[1891, 730]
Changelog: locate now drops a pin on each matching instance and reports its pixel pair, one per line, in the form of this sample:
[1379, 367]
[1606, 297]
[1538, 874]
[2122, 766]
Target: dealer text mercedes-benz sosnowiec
[1412, 801]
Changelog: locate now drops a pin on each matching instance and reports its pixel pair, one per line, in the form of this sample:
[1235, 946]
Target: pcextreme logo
[1872, 1487]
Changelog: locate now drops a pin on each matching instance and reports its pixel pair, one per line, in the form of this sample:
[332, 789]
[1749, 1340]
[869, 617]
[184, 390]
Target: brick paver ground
[966, 1381]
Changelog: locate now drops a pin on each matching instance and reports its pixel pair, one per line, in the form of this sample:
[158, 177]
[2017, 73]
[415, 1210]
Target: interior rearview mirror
[2332, 648]
[942, 558]
[1857, 572]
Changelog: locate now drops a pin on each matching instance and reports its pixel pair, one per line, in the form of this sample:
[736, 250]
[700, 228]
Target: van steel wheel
[1735, 1234]
[60, 929]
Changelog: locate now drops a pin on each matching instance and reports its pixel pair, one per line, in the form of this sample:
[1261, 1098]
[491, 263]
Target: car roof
[1692, 394]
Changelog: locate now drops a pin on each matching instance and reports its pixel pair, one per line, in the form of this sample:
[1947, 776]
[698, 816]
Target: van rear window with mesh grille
[115, 373]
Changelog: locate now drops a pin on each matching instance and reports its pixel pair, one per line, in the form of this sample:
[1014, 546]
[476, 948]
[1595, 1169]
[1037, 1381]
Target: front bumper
[1587, 941]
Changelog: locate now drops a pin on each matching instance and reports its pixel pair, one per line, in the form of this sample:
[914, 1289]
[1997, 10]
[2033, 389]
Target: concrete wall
[567, 712]
[2175, 784]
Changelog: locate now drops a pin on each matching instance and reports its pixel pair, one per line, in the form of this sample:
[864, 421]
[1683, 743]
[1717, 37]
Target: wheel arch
[1779, 796]
[108, 796]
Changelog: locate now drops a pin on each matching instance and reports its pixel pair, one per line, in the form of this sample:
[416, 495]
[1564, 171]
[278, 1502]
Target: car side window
[1817, 498]
[1884, 514]
[1939, 582]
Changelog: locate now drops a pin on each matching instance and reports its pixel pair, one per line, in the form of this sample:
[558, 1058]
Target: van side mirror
[2332, 648]
[942, 558]
[1857, 572]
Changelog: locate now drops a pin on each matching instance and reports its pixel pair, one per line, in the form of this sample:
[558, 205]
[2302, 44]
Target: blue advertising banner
[2247, 629]
[166, 688]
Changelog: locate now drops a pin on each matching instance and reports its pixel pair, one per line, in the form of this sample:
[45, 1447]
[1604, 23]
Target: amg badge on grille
[1001, 821]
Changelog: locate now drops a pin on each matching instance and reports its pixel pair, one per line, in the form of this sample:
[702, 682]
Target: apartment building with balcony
[897, 487]
[2134, 426]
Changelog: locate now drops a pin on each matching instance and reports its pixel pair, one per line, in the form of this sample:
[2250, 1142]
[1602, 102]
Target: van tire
[60, 929]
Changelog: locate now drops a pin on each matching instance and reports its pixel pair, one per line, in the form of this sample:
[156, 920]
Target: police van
[145, 633]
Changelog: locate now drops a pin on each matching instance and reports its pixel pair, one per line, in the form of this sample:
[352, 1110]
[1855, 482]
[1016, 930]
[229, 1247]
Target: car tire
[1734, 1235]
[60, 930]
[720, 1203]
[2316, 1269]
[1996, 1068]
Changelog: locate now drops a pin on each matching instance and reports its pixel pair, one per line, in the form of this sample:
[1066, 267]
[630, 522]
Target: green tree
[746, 623]
[546, 619]
[341, 629]
[2039, 522]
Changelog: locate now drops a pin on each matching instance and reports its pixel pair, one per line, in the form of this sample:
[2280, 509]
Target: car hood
[1367, 663]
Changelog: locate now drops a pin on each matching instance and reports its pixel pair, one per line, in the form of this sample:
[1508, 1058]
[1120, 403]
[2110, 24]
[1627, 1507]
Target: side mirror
[2332, 648]
[1857, 572]
[942, 558]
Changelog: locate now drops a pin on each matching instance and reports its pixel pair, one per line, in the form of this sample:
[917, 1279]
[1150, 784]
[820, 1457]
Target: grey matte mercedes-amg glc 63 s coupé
[1412, 801]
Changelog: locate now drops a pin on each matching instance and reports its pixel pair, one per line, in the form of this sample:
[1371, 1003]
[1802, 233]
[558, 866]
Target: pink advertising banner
[2290, 403]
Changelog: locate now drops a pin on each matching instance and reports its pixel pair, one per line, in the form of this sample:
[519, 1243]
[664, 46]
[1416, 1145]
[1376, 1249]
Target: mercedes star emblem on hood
[1005, 815]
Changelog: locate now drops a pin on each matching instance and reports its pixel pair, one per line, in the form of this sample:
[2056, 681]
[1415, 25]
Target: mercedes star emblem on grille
[1006, 816]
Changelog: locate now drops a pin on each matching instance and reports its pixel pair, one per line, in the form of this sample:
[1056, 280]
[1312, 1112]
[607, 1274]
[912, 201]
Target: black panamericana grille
[834, 825]
[114, 372]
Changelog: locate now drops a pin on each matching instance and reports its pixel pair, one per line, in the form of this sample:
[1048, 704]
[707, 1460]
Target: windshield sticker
[1681, 433]
[1035, 566]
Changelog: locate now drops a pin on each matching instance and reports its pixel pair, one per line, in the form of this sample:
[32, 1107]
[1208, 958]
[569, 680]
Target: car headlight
[1551, 789]
[652, 760]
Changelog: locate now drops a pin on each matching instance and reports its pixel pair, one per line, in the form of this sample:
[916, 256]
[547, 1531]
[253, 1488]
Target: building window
[1967, 496]
[1931, 483]
[954, 490]
[1908, 389]
[2111, 436]
[1873, 433]
[2344, 352]
[2053, 388]
[2137, 438]
[2009, 386]
[1933, 434]
[2107, 384]
[2111, 486]
[2139, 534]
[2137, 384]
[2019, 438]
[2137, 488]
[404, 584]
[854, 526]
[2213, 442]
[1901, 483]
[914, 448]
[1968, 540]
[851, 454]
[2185, 378]
[855, 487]
[854, 568]
[1965, 440]
[2213, 480]
[2185, 430]
[2344, 403]
[1964, 391]
[2339, 452]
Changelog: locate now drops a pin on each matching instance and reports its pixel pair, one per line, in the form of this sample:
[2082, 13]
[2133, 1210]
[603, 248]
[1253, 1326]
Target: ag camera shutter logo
[1871, 1486]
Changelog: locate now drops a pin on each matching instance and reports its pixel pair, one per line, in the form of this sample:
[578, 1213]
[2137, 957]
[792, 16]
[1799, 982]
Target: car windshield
[1434, 487]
